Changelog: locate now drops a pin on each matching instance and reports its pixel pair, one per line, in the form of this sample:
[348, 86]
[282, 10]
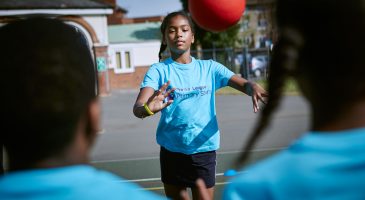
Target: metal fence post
[245, 63]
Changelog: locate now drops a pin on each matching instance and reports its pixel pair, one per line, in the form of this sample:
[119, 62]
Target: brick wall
[127, 80]
[101, 51]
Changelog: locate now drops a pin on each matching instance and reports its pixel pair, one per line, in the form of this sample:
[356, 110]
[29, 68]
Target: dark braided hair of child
[323, 43]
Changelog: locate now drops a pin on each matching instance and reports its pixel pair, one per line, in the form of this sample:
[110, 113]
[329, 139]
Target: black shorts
[183, 170]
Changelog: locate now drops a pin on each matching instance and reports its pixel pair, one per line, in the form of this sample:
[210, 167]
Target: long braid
[162, 49]
[283, 60]
[162, 29]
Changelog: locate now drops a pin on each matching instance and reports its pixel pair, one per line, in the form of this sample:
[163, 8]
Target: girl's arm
[149, 101]
[250, 88]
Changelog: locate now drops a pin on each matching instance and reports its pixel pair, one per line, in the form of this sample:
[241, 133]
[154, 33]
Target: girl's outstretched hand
[252, 89]
[257, 94]
[157, 101]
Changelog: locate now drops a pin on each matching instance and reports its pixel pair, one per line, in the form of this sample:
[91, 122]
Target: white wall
[146, 54]
[143, 54]
[100, 26]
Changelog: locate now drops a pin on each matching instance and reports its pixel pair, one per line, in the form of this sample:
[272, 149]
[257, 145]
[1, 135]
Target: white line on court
[220, 152]
[158, 179]
[161, 188]
[128, 159]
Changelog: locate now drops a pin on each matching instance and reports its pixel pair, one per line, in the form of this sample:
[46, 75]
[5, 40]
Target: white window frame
[123, 68]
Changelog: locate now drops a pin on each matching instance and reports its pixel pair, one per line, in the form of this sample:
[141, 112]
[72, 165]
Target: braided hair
[283, 58]
[321, 45]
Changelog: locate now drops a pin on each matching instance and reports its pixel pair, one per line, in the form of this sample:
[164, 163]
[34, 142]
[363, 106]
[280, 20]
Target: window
[118, 60]
[122, 61]
[127, 57]
[261, 21]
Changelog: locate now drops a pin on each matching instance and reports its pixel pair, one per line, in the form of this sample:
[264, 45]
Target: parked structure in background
[258, 34]
[257, 26]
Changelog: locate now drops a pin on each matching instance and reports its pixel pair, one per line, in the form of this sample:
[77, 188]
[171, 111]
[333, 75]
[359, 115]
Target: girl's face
[178, 35]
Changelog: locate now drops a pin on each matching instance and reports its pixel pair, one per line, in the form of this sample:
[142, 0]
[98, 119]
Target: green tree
[207, 39]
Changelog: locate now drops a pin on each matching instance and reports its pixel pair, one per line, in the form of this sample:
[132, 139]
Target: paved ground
[127, 145]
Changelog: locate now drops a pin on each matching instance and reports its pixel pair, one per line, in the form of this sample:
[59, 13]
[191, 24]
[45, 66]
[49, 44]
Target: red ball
[216, 15]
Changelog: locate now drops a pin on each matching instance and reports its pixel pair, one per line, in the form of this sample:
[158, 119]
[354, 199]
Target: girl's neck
[184, 58]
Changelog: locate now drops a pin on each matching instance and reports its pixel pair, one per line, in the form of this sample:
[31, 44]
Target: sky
[146, 8]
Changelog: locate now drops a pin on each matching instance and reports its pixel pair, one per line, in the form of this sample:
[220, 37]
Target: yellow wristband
[148, 109]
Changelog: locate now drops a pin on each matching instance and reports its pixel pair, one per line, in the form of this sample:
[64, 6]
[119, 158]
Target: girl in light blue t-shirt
[183, 89]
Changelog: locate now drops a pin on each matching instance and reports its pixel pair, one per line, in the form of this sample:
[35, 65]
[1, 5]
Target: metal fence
[251, 64]
[254, 63]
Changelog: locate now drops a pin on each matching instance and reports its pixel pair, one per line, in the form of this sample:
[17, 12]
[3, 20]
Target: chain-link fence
[252, 64]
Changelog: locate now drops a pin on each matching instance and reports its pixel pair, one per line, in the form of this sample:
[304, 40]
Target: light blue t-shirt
[69, 183]
[320, 165]
[189, 124]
